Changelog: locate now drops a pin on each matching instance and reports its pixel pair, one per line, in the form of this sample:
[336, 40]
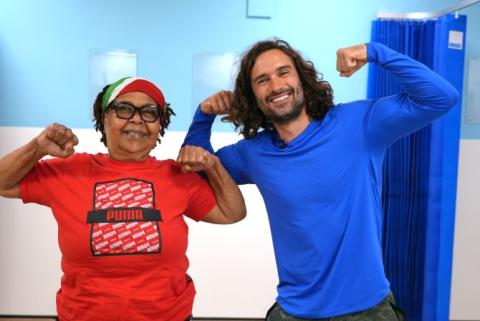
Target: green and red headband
[130, 84]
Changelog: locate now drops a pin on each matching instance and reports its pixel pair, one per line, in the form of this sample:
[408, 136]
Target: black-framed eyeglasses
[125, 110]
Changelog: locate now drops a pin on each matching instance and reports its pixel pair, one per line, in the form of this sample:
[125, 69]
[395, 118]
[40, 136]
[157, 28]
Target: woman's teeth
[134, 133]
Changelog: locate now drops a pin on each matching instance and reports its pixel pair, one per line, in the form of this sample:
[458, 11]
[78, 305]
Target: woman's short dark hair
[246, 114]
[98, 114]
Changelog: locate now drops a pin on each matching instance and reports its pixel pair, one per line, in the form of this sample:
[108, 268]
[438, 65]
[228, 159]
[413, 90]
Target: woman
[120, 219]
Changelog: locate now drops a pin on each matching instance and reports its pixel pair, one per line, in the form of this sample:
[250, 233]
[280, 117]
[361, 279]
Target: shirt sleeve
[233, 157]
[41, 183]
[201, 199]
[200, 131]
[426, 96]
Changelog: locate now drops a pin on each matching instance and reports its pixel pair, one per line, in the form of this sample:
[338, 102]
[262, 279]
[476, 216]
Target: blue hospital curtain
[420, 172]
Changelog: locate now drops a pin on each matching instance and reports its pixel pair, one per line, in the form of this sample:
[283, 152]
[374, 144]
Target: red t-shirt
[122, 234]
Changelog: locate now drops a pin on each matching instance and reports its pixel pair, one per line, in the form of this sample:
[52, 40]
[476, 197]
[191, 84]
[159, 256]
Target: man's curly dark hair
[245, 113]
[98, 114]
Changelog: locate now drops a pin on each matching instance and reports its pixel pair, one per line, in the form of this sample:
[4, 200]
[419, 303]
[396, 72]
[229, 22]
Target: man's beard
[292, 114]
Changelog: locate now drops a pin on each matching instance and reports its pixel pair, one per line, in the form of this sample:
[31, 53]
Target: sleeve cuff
[371, 56]
[201, 116]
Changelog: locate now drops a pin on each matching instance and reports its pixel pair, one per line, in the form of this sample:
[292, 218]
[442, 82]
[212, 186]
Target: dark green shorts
[384, 311]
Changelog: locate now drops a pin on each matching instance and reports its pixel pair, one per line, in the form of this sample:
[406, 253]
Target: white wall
[465, 295]
[55, 65]
[233, 266]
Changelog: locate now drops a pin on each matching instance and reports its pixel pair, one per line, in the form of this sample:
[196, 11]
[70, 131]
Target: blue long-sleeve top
[323, 189]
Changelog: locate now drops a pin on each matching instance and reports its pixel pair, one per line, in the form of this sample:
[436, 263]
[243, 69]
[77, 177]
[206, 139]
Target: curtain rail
[427, 15]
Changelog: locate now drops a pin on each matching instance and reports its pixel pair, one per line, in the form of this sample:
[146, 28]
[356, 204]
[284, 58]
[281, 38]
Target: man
[319, 170]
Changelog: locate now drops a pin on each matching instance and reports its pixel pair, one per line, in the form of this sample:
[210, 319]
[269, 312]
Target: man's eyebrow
[283, 67]
[259, 76]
